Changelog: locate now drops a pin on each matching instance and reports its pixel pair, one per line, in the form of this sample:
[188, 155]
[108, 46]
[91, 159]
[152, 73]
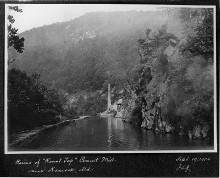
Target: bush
[30, 103]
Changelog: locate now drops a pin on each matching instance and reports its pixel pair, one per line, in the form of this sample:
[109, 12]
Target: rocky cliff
[173, 92]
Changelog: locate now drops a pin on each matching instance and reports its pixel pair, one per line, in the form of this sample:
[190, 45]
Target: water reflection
[109, 134]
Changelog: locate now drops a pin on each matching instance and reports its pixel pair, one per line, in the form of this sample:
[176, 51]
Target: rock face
[129, 105]
[148, 120]
[205, 130]
[199, 131]
[147, 98]
[117, 107]
[153, 80]
[164, 94]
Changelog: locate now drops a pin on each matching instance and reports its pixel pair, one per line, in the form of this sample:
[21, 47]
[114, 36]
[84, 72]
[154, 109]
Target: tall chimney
[109, 97]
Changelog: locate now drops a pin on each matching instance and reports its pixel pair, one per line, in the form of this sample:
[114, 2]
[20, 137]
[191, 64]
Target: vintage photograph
[118, 78]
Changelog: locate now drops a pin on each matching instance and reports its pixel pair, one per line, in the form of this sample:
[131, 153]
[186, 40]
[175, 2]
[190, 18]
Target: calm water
[105, 134]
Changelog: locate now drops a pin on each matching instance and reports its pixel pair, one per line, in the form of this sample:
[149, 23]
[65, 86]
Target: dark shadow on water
[108, 134]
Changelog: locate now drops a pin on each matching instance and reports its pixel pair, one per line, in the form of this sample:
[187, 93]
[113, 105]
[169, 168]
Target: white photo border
[115, 152]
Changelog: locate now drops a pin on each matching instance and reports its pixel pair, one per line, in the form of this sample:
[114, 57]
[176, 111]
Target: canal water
[109, 134]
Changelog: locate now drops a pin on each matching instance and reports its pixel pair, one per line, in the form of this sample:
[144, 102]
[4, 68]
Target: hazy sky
[35, 15]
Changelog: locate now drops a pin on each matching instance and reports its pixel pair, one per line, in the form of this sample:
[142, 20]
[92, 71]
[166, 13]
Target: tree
[30, 103]
[199, 31]
[13, 38]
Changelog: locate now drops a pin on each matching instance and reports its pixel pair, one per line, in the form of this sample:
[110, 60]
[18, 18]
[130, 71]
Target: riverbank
[81, 117]
[27, 136]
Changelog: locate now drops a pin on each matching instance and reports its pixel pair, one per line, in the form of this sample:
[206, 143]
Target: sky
[36, 15]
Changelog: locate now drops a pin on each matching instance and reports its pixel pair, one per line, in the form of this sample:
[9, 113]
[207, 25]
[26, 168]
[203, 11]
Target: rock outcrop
[165, 96]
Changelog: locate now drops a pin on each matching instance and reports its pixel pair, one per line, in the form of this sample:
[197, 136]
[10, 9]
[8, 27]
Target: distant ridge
[72, 55]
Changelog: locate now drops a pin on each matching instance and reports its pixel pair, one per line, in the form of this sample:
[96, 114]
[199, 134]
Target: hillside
[159, 65]
[82, 54]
